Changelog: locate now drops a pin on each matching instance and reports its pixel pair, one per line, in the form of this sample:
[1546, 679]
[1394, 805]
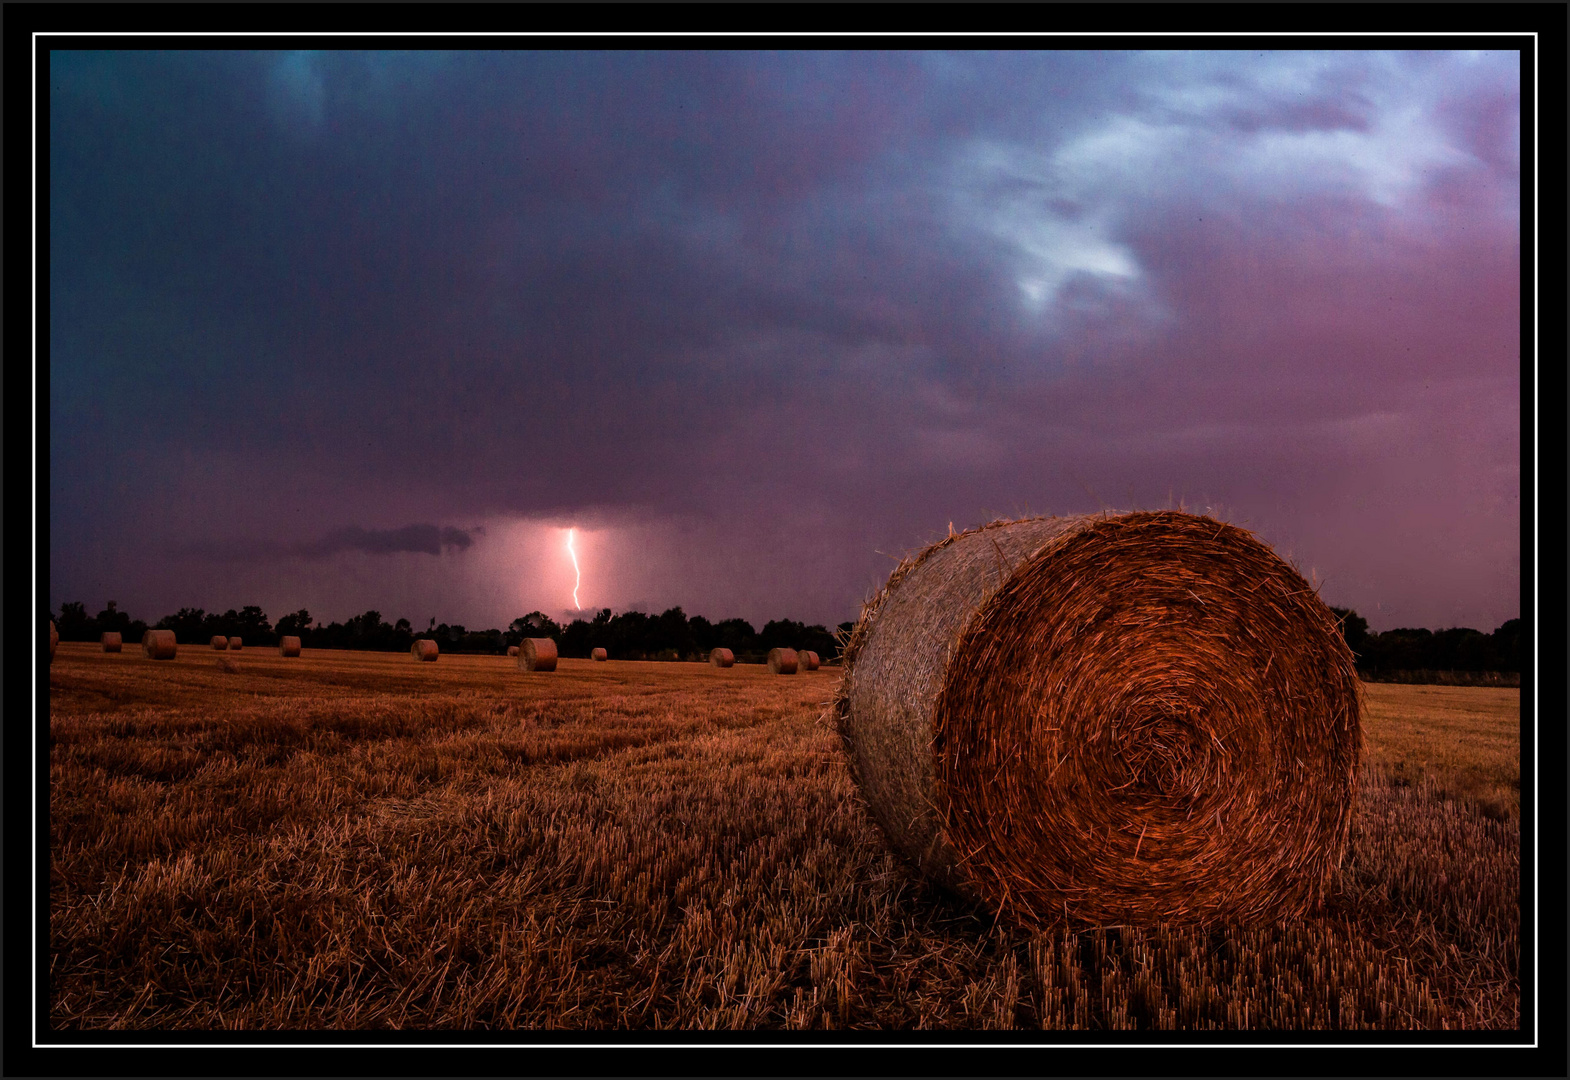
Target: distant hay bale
[110, 640]
[424, 649]
[1119, 719]
[722, 658]
[537, 654]
[54, 640]
[782, 661]
[158, 645]
[512, 650]
[808, 659]
[220, 642]
[599, 654]
[236, 644]
[288, 646]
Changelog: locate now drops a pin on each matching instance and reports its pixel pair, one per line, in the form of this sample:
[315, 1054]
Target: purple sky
[349, 331]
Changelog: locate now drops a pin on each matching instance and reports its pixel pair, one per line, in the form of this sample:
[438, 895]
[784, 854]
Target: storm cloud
[765, 321]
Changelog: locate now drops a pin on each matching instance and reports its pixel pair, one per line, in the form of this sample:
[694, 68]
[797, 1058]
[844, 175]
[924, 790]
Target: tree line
[1460, 648]
[631, 635]
[673, 635]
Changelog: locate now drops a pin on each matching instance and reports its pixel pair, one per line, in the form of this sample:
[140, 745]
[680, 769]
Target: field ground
[357, 840]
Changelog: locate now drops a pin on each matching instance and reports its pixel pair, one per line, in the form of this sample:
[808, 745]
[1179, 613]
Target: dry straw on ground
[236, 644]
[537, 654]
[288, 646]
[219, 643]
[54, 640]
[782, 661]
[512, 650]
[808, 659]
[1110, 719]
[158, 645]
[599, 654]
[110, 640]
[424, 649]
[722, 658]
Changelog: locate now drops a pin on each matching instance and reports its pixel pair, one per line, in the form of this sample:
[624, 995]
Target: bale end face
[599, 654]
[537, 654]
[110, 640]
[424, 649]
[159, 645]
[288, 646]
[782, 661]
[722, 658]
[1133, 719]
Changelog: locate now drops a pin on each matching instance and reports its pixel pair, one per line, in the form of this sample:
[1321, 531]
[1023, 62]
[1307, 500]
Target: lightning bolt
[575, 569]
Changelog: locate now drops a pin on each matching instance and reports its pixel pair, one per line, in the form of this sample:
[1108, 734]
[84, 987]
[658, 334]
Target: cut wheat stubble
[1110, 719]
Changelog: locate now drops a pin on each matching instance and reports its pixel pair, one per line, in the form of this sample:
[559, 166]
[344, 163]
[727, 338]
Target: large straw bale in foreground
[424, 649]
[537, 654]
[1118, 718]
[288, 646]
[599, 654]
[722, 658]
[159, 645]
[782, 661]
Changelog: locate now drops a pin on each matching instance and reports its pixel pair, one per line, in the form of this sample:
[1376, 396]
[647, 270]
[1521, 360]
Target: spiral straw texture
[1110, 719]
[537, 654]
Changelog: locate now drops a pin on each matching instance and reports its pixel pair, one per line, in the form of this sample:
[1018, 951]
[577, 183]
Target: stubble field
[356, 840]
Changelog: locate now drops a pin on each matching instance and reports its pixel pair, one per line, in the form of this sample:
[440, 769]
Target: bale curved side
[537, 654]
[159, 645]
[1154, 719]
[288, 646]
[110, 640]
[425, 649]
[722, 658]
[783, 661]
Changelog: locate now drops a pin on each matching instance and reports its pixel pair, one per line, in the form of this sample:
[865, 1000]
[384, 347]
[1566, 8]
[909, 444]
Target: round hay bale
[220, 642]
[424, 649]
[599, 654]
[807, 659]
[236, 644]
[288, 646]
[158, 645]
[782, 661]
[110, 640]
[722, 658]
[1118, 719]
[54, 640]
[537, 654]
[512, 650]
